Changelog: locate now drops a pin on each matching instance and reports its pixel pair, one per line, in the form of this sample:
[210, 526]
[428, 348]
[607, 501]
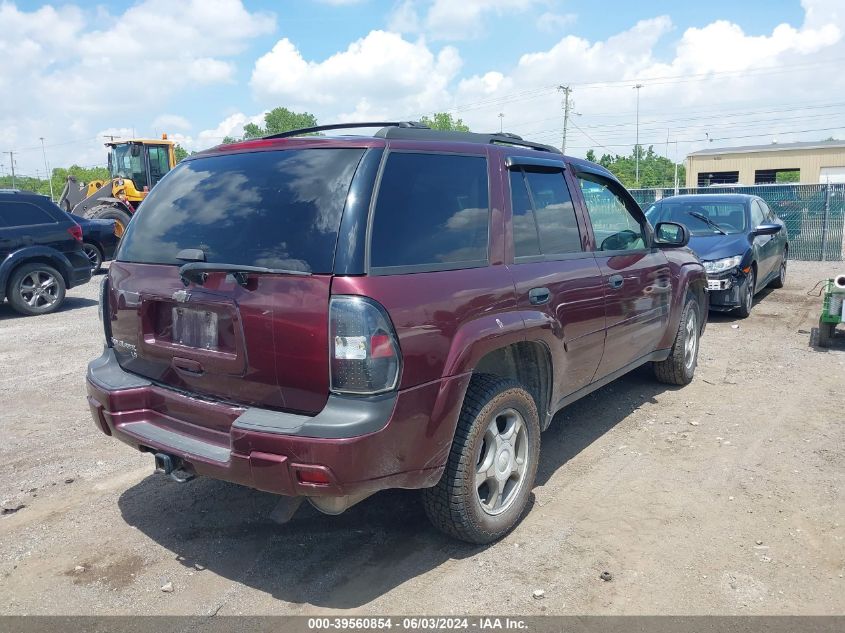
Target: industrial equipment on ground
[135, 166]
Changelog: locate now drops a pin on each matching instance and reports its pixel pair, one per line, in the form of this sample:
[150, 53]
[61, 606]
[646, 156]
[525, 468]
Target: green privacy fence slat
[814, 214]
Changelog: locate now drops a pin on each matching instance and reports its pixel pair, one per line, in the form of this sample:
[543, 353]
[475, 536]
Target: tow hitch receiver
[172, 466]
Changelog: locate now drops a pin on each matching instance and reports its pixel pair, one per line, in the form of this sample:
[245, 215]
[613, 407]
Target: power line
[723, 138]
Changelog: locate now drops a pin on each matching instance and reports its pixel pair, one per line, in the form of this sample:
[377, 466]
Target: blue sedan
[99, 240]
[742, 244]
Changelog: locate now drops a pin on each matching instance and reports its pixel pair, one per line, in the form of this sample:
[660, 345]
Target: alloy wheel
[93, 255]
[502, 462]
[39, 289]
[749, 290]
[691, 339]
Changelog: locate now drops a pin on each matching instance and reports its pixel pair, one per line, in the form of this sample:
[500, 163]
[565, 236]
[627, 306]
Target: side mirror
[671, 235]
[767, 229]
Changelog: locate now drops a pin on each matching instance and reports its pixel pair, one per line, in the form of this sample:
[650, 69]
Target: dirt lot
[721, 497]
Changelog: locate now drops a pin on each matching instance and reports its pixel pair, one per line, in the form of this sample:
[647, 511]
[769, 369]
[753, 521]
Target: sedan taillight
[75, 232]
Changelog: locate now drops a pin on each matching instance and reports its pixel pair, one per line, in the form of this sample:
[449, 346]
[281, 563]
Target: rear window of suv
[277, 209]
[432, 213]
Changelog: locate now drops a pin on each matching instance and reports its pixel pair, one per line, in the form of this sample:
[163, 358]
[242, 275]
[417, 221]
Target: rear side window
[544, 221]
[278, 209]
[23, 214]
[432, 213]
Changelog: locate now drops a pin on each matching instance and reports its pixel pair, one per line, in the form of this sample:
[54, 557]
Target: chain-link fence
[814, 214]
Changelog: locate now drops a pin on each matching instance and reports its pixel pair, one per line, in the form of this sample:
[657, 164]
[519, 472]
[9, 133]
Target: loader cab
[140, 164]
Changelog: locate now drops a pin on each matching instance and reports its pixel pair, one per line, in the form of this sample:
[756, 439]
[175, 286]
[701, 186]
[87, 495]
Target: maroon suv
[326, 317]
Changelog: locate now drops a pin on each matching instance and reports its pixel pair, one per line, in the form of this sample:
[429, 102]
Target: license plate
[195, 328]
[718, 284]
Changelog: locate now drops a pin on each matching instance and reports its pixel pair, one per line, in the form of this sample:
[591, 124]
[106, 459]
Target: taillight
[75, 232]
[364, 354]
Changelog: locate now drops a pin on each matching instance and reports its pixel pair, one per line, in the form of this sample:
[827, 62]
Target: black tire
[780, 280]
[679, 368]
[748, 292]
[108, 212]
[454, 505]
[94, 255]
[46, 299]
[826, 333]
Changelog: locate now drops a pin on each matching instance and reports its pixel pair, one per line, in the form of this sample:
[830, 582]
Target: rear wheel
[36, 289]
[780, 280]
[679, 368]
[107, 212]
[747, 298]
[94, 256]
[488, 478]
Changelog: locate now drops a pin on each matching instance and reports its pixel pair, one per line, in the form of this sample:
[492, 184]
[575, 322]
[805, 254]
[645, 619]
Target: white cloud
[453, 19]
[62, 58]
[382, 68]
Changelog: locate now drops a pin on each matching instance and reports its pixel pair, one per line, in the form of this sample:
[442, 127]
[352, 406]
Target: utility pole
[676, 165]
[12, 161]
[501, 122]
[47, 169]
[567, 105]
[637, 144]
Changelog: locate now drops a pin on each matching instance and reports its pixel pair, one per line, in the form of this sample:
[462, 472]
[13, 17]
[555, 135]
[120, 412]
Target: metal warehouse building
[805, 163]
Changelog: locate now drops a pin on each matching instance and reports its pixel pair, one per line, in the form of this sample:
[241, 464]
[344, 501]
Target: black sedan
[98, 240]
[742, 244]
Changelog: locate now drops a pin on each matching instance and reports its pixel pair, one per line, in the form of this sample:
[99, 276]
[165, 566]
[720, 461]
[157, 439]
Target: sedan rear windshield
[278, 209]
[728, 216]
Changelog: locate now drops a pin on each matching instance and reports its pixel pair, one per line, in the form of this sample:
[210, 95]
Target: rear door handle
[615, 281]
[539, 296]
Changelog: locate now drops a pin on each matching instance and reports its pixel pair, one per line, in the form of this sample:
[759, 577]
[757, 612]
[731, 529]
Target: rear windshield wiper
[198, 271]
[707, 221]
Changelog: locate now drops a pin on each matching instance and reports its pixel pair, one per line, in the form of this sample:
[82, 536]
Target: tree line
[655, 170]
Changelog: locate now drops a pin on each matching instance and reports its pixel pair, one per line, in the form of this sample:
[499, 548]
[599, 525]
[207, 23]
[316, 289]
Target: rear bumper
[401, 441]
[79, 271]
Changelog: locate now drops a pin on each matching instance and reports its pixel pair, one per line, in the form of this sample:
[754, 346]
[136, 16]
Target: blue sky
[200, 70]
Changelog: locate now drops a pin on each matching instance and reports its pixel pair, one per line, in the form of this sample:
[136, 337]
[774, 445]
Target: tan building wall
[809, 161]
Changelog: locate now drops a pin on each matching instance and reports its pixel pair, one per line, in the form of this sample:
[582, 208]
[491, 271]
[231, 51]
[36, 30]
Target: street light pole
[47, 169]
[637, 145]
[501, 122]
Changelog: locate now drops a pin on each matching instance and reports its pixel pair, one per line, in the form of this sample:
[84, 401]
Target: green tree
[444, 121]
[591, 155]
[655, 170]
[59, 177]
[276, 121]
[181, 152]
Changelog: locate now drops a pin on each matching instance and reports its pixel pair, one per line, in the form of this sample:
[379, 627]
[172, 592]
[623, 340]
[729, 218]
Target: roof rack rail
[496, 138]
[414, 130]
[348, 126]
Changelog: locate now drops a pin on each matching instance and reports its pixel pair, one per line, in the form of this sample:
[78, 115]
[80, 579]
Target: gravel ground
[723, 497]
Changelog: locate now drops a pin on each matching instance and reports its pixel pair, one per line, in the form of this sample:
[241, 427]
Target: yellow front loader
[135, 167]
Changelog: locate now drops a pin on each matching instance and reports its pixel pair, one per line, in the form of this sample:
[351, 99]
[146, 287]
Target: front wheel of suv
[679, 368]
[490, 471]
